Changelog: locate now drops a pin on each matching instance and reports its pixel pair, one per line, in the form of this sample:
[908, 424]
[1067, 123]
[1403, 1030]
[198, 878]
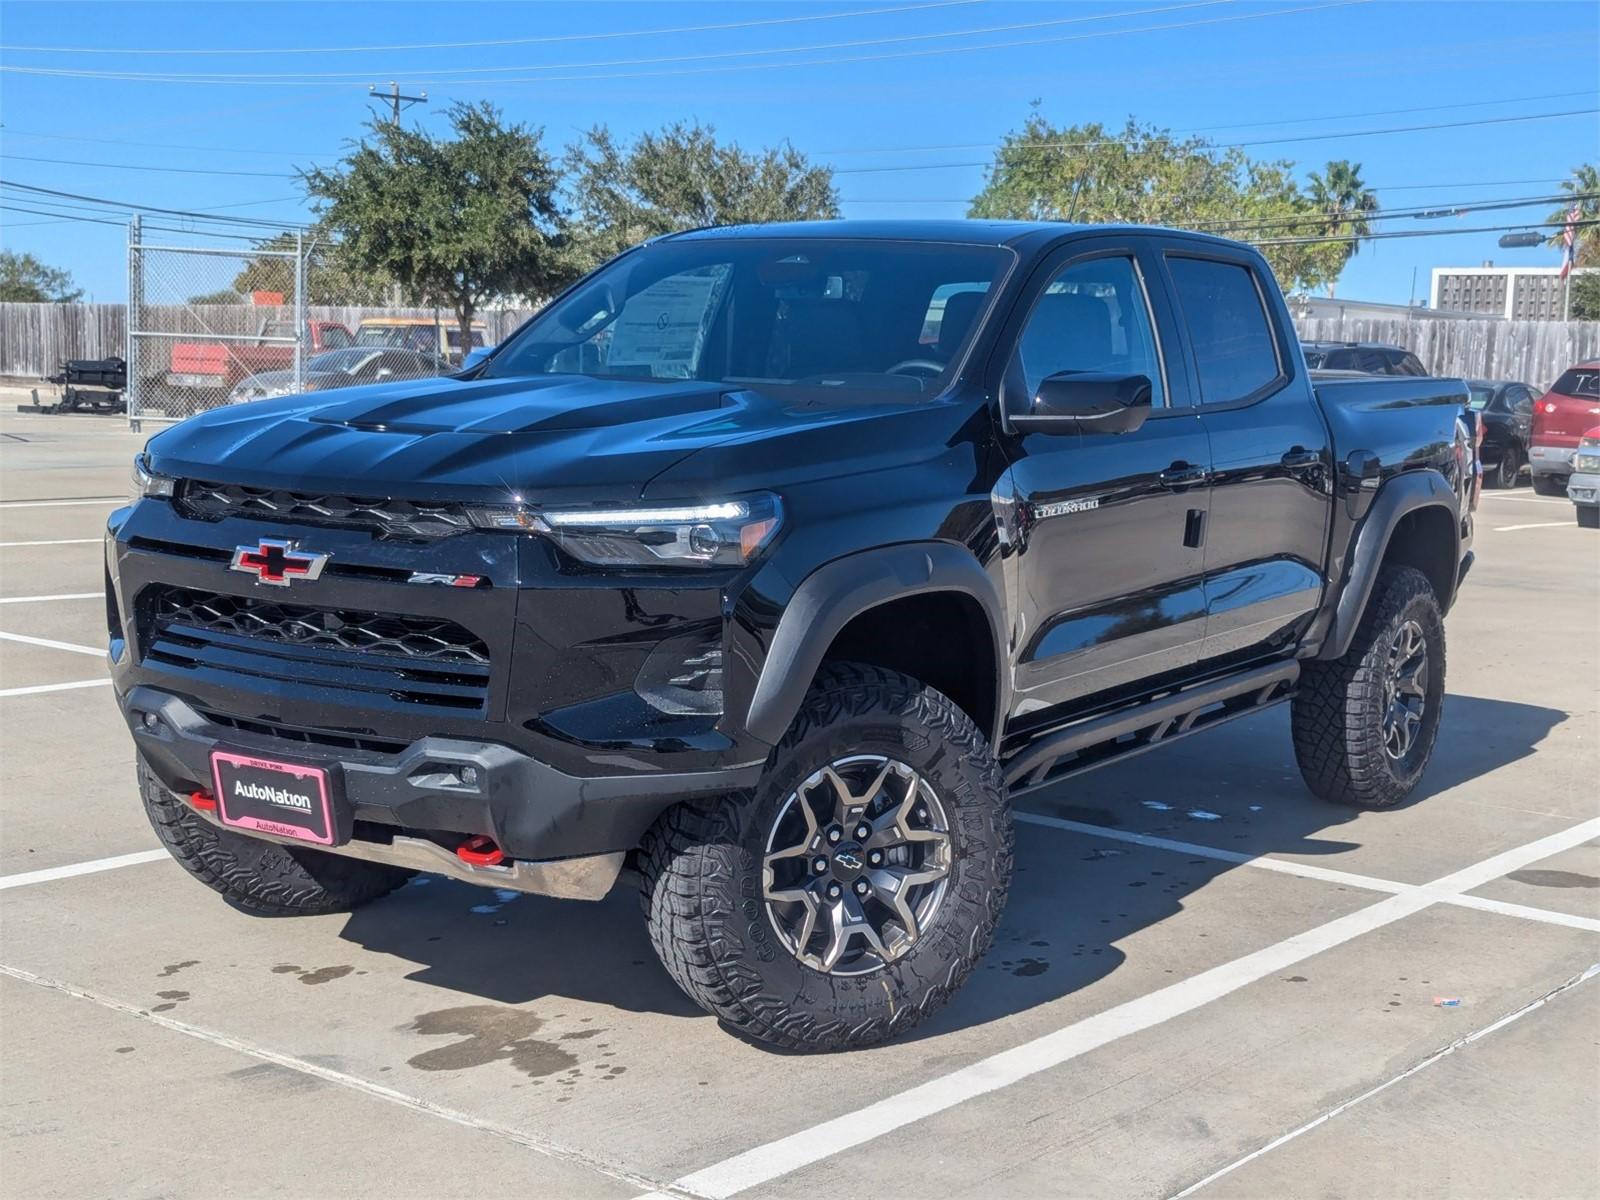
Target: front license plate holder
[286, 800]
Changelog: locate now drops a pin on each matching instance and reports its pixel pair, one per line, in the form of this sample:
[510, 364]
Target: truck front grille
[373, 658]
[382, 515]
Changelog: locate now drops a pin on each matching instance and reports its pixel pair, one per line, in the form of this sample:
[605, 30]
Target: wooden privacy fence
[1534, 352]
[36, 338]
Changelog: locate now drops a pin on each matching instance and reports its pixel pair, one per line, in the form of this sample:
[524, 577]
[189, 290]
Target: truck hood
[550, 439]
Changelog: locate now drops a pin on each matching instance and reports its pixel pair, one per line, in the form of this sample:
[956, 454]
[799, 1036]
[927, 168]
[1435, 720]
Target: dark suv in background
[1370, 358]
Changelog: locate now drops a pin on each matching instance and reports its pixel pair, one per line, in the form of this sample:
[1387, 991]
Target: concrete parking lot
[1206, 980]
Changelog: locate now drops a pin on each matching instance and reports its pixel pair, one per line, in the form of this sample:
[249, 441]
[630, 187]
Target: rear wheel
[262, 877]
[1365, 726]
[850, 895]
[1503, 473]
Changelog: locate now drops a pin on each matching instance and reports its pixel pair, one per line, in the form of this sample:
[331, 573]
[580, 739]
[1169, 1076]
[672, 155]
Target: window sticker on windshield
[663, 328]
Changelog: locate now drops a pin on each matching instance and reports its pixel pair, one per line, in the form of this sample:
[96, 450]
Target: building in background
[1516, 293]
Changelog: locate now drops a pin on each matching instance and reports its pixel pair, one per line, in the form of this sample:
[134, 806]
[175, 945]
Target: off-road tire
[262, 877]
[1337, 712]
[702, 873]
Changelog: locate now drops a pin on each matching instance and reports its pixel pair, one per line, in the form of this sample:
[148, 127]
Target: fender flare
[1398, 498]
[836, 593]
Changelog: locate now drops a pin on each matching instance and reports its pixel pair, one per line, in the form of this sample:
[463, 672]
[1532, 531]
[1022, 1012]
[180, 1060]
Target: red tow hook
[480, 851]
[202, 802]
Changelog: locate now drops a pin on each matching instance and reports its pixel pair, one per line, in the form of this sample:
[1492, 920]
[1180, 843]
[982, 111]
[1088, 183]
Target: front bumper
[449, 789]
[1584, 489]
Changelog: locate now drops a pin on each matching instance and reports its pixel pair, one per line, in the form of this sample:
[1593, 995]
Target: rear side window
[1407, 363]
[1233, 342]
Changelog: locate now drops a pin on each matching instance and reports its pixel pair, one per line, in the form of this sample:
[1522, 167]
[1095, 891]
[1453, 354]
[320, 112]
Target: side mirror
[1087, 402]
[475, 356]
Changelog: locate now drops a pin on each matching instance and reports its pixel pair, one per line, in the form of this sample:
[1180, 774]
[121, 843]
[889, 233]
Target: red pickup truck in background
[208, 371]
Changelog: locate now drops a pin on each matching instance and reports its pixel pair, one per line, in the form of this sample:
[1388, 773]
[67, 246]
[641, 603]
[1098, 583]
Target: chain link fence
[210, 325]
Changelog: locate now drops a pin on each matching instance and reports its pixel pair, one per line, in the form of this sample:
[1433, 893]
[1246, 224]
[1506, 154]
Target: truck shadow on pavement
[1076, 897]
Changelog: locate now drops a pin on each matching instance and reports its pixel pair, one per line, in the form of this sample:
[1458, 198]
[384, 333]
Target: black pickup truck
[766, 567]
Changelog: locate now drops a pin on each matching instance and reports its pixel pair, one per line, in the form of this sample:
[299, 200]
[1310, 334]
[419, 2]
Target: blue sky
[1263, 70]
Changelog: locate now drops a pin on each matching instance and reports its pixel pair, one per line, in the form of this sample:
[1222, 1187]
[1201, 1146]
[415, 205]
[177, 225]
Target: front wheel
[854, 891]
[1364, 726]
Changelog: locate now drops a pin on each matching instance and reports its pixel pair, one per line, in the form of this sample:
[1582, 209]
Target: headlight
[725, 534]
[1588, 464]
[146, 482]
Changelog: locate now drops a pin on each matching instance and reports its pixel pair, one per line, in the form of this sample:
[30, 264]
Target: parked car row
[342, 368]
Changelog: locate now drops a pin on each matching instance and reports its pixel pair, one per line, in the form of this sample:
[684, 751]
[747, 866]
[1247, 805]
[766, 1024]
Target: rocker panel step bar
[1147, 726]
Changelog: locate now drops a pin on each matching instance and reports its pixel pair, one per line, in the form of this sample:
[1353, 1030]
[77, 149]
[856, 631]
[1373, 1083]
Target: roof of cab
[969, 232]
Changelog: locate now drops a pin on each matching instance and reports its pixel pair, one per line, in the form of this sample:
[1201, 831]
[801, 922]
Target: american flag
[1569, 238]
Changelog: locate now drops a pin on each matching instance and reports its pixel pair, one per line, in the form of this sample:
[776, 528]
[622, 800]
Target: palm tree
[1345, 202]
[1583, 189]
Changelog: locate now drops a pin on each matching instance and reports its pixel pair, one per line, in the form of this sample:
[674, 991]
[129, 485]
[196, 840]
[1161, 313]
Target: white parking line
[51, 644]
[72, 870]
[1534, 1006]
[43, 599]
[99, 500]
[788, 1154]
[1308, 871]
[1535, 525]
[1526, 499]
[342, 1078]
[36, 689]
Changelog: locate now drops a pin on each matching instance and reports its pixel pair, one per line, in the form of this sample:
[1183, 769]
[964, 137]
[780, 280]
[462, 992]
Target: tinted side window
[1233, 341]
[1092, 317]
[1407, 363]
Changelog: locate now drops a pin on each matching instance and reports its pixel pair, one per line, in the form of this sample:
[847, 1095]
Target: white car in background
[1583, 485]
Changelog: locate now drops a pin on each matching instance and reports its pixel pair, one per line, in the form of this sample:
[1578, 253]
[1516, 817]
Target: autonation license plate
[273, 797]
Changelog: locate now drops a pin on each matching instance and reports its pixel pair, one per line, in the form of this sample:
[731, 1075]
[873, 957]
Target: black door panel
[1108, 580]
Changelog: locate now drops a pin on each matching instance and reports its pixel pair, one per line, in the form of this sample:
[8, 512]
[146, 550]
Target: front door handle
[1181, 475]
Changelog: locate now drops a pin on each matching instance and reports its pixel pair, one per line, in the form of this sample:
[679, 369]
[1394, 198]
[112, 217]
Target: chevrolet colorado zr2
[764, 569]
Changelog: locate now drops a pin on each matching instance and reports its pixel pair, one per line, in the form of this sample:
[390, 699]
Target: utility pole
[395, 99]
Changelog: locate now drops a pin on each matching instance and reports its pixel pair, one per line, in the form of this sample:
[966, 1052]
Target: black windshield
[805, 312]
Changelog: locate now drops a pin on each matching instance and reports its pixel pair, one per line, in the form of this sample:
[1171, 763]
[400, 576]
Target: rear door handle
[1301, 460]
[1181, 475]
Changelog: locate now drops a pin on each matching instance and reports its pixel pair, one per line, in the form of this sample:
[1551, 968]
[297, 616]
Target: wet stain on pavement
[173, 999]
[124, 1050]
[581, 1034]
[1554, 879]
[172, 969]
[325, 974]
[1294, 979]
[320, 975]
[1026, 967]
[489, 1033]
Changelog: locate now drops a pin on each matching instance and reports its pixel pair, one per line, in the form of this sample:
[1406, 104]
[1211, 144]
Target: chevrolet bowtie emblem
[275, 561]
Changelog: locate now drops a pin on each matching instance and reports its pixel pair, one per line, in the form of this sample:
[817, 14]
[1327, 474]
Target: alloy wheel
[1405, 689]
[856, 865]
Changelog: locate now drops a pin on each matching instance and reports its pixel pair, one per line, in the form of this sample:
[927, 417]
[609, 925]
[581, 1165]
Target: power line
[44, 213]
[703, 56]
[78, 162]
[568, 37]
[1310, 137]
[59, 196]
[1382, 112]
[769, 66]
[1415, 233]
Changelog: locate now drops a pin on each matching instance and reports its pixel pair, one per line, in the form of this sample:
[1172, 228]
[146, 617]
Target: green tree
[1583, 189]
[222, 296]
[332, 275]
[1585, 297]
[24, 278]
[1345, 203]
[1145, 175]
[683, 178]
[456, 221]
